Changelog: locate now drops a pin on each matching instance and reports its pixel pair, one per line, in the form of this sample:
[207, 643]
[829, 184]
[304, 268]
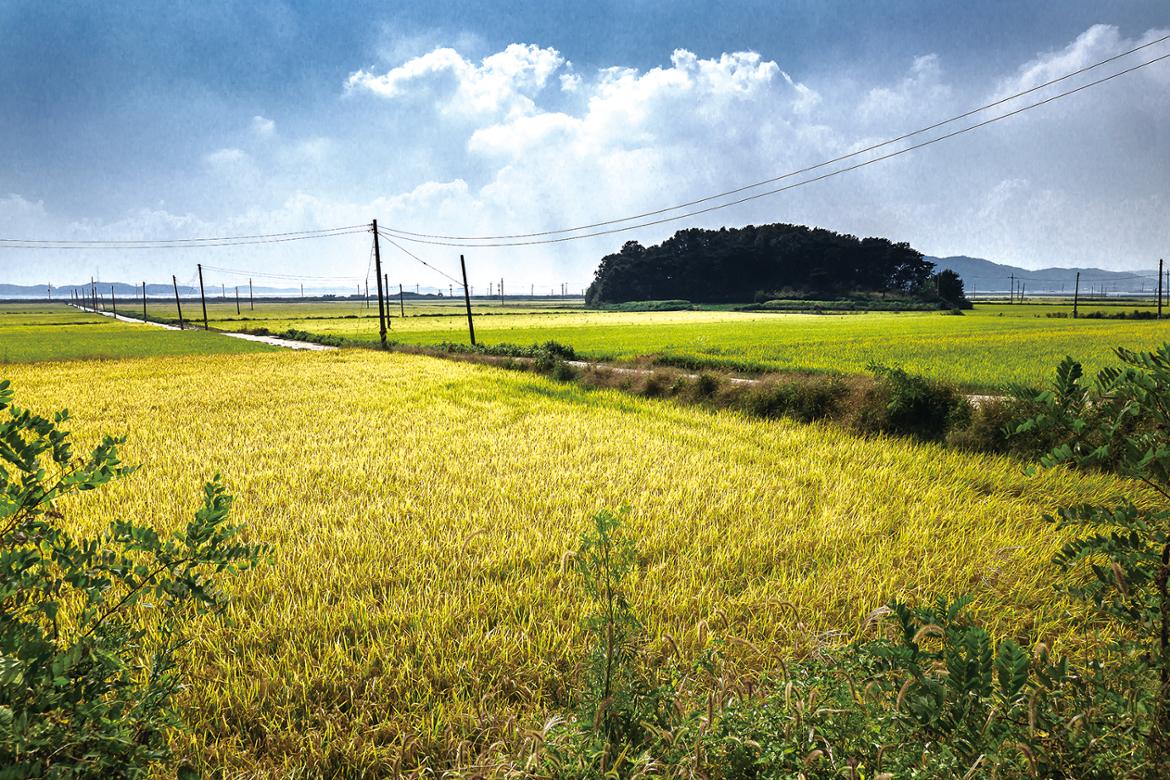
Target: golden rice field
[417, 611]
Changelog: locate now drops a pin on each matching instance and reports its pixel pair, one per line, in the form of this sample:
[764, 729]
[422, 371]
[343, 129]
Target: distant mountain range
[984, 276]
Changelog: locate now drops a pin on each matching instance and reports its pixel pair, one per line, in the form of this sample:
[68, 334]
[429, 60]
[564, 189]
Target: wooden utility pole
[1012, 291]
[386, 281]
[178, 305]
[467, 300]
[401, 303]
[223, 291]
[237, 299]
[1159, 288]
[251, 300]
[501, 292]
[302, 291]
[202, 297]
[378, 270]
[144, 301]
[1076, 294]
[367, 292]
[113, 302]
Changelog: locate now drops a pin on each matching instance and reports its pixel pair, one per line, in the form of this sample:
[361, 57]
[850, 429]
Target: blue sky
[149, 120]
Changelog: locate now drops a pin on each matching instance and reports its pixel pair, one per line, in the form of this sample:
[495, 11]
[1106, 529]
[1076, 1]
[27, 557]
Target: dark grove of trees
[741, 264]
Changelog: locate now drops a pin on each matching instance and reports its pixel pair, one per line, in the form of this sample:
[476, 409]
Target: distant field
[420, 512]
[993, 345]
[43, 332]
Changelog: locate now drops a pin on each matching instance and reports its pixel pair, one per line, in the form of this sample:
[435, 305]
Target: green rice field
[45, 332]
[989, 347]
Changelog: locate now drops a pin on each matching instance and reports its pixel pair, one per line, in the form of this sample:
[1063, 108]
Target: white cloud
[263, 127]
[504, 82]
[522, 141]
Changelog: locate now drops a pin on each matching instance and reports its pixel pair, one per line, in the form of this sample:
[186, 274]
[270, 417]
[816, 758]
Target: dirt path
[286, 343]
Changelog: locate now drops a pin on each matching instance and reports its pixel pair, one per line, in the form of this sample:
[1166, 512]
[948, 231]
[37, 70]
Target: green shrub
[89, 626]
[908, 405]
[803, 400]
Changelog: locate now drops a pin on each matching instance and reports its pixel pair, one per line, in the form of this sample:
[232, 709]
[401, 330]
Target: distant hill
[984, 276]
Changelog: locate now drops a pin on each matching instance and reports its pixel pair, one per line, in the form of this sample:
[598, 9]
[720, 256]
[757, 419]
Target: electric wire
[184, 243]
[795, 185]
[419, 259]
[292, 277]
[798, 172]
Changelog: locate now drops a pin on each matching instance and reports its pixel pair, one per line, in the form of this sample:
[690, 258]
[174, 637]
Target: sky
[140, 120]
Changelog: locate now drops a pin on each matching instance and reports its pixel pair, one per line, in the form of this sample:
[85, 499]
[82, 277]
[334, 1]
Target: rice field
[992, 346]
[40, 332]
[417, 610]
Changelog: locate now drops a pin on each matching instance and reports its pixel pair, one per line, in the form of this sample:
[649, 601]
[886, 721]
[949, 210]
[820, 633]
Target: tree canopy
[739, 264]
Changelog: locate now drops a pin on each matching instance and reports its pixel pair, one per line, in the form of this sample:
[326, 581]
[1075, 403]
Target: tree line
[759, 262]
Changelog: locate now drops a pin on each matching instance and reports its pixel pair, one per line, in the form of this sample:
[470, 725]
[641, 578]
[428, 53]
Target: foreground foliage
[90, 626]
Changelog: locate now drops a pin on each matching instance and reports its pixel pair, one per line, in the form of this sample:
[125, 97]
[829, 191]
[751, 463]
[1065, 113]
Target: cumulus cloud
[504, 82]
[523, 141]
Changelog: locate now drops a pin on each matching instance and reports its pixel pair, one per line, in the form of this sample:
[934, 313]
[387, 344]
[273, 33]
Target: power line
[165, 243]
[416, 257]
[790, 174]
[801, 183]
[293, 277]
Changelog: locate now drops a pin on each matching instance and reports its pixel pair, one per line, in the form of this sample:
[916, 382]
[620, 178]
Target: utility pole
[113, 302]
[202, 297]
[401, 303]
[367, 292]
[501, 292]
[1159, 288]
[1012, 291]
[378, 270]
[223, 291]
[251, 302]
[50, 291]
[386, 281]
[237, 299]
[1076, 294]
[178, 305]
[144, 301]
[467, 300]
[302, 291]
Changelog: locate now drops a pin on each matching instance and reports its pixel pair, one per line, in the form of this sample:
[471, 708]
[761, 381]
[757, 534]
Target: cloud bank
[530, 142]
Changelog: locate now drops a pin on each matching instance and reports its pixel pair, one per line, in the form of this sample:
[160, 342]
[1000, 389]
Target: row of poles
[1016, 294]
[383, 295]
[94, 299]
